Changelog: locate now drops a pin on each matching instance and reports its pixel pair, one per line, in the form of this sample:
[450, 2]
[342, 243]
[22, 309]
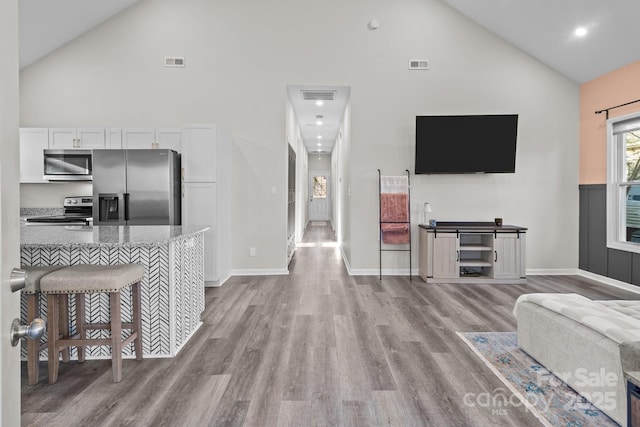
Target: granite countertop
[75, 235]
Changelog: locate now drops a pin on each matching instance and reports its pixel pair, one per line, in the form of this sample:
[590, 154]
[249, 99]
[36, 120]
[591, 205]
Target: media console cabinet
[472, 252]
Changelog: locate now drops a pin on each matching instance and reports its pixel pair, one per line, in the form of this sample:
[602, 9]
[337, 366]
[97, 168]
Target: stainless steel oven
[78, 210]
[68, 165]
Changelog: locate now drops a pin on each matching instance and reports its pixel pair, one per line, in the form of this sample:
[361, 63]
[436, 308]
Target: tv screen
[466, 144]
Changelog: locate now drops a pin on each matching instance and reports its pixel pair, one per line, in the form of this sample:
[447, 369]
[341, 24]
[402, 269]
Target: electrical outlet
[252, 251]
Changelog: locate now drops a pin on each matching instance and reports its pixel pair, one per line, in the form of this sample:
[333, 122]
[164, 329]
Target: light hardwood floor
[315, 348]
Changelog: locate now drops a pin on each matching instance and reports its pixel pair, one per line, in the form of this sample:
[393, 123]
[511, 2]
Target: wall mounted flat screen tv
[466, 144]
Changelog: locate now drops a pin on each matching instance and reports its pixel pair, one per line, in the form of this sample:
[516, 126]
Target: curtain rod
[606, 110]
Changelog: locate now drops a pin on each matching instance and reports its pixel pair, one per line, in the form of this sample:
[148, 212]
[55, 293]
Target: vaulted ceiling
[545, 29]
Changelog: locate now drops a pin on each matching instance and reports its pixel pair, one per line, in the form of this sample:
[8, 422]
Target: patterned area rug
[552, 401]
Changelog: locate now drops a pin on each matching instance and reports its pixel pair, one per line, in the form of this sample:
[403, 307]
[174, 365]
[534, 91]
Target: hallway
[314, 348]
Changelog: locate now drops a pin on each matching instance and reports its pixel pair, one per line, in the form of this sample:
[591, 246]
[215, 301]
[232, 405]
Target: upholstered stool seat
[32, 294]
[79, 280]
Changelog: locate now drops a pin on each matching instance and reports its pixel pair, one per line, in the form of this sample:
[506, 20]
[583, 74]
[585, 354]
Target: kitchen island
[172, 289]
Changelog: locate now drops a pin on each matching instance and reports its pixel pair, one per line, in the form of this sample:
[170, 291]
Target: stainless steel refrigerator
[136, 187]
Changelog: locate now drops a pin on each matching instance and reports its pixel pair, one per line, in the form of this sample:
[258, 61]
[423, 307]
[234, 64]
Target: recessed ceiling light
[319, 103]
[580, 31]
[319, 144]
[319, 122]
[319, 136]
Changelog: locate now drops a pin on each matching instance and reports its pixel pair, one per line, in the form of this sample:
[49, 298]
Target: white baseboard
[261, 272]
[610, 282]
[375, 271]
[345, 260]
[553, 272]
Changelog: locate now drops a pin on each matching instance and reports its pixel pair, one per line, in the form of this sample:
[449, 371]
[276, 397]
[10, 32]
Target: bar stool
[84, 279]
[32, 294]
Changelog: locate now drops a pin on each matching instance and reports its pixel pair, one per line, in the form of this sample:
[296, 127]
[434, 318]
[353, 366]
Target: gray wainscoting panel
[635, 269]
[597, 224]
[583, 236]
[619, 265]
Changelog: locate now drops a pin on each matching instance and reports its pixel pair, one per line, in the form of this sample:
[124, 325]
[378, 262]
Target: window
[623, 183]
[320, 187]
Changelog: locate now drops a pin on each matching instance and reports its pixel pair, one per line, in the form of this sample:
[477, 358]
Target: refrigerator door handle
[126, 206]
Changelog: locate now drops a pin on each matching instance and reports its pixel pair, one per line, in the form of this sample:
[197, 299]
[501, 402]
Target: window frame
[617, 185]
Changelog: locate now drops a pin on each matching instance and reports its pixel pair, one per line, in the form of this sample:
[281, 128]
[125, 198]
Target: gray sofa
[579, 340]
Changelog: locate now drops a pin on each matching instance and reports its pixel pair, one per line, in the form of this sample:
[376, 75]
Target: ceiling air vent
[318, 95]
[174, 61]
[418, 64]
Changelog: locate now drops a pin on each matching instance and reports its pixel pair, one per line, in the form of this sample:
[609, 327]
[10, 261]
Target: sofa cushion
[609, 318]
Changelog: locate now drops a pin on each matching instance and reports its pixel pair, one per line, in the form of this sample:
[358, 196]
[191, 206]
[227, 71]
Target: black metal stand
[408, 222]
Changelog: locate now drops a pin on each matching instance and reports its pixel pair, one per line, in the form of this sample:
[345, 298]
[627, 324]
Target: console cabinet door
[446, 256]
[507, 256]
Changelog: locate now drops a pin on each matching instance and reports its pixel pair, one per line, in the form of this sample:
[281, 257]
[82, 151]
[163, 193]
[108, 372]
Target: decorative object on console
[394, 213]
[498, 222]
[426, 210]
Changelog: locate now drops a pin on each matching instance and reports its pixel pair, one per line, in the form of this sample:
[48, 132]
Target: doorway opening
[317, 133]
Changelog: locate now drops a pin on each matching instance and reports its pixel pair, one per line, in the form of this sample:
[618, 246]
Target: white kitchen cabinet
[113, 139]
[148, 138]
[199, 147]
[33, 142]
[169, 138]
[207, 193]
[199, 208]
[76, 138]
[138, 138]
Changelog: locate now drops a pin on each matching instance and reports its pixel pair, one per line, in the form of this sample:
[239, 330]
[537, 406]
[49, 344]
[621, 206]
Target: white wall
[344, 187]
[320, 162]
[113, 76]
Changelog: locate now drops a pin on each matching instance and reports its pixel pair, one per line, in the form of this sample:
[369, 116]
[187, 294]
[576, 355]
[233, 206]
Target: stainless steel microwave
[68, 165]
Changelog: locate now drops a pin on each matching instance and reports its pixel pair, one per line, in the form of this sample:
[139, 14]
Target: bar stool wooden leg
[63, 304]
[137, 319]
[33, 346]
[116, 337]
[80, 324]
[54, 330]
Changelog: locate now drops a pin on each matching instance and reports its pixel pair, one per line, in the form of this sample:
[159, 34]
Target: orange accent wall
[615, 88]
